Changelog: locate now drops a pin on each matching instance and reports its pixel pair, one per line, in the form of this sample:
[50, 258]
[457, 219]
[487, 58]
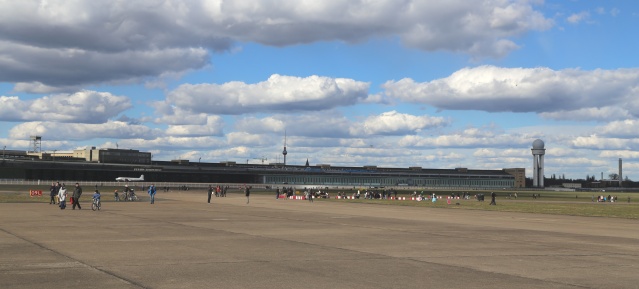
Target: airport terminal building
[104, 165]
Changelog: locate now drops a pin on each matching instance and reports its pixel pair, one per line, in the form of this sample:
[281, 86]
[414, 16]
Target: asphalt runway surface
[183, 242]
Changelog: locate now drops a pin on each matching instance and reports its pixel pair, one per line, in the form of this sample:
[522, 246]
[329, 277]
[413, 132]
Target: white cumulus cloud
[596, 142]
[395, 123]
[575, 18]
[81, 131]
[540, 90]
[84, 107]
[469, 138]
[277, 94]
[213, 127]
[626, 129]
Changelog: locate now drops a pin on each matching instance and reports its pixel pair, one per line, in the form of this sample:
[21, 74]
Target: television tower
[284, 151]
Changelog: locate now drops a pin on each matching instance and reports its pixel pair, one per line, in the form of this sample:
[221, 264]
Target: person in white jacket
[62, 196]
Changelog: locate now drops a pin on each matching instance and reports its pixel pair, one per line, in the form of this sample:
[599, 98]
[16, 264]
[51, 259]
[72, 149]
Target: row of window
[388, 181]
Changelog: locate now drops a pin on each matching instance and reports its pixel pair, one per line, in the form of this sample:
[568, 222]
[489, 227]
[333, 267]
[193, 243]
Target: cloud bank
[59, 45]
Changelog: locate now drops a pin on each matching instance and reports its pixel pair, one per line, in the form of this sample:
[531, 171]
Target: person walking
[277, 193]
[492, 198]
[62, 197]
[210, 193]
[247, 191]
[152, 192]
[77, 192]
[51, 192]
[55, 188]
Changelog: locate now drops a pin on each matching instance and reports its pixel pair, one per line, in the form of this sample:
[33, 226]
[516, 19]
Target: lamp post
[3, 148]
[54, 155]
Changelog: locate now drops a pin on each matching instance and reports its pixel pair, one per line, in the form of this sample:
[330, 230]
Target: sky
[394, 83]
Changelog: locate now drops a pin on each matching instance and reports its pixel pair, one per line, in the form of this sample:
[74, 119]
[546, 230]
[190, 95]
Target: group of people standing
[59, 192]
[221, 192]
[287, 192]
[218, 191]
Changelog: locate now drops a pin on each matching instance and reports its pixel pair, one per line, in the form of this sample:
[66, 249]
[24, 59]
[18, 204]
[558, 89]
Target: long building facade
[109, 168]
[384, 177]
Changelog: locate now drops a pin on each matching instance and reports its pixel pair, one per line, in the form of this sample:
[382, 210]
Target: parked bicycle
[129, 196]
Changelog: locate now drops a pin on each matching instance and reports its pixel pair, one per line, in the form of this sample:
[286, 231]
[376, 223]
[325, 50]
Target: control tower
[538, 152]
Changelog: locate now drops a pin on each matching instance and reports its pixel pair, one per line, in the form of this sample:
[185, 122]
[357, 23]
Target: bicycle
[129, 197]
[132, 196]
[96, 205]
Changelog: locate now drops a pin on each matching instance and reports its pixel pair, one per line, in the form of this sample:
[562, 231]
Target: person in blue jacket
[96, 196]
[152, 192]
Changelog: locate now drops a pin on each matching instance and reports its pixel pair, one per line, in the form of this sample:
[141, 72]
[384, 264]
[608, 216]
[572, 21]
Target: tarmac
[183, 242]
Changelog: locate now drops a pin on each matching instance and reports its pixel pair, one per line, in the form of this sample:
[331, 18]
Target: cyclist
[126, 192]
[96, 198]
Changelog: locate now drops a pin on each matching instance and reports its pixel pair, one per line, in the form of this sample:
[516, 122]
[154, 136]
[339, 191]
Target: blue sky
[436, 84]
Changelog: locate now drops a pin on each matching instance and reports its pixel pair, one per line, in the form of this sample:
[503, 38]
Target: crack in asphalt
[82, 264]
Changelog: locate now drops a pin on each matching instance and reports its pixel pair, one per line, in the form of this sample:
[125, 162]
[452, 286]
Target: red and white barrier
[35, 193]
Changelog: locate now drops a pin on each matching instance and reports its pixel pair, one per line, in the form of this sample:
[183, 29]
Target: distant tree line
[589, 182]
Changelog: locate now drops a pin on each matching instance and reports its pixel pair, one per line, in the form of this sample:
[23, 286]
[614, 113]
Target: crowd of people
[286, 192]
[369, 194]
[59, 195]
[609, 198]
